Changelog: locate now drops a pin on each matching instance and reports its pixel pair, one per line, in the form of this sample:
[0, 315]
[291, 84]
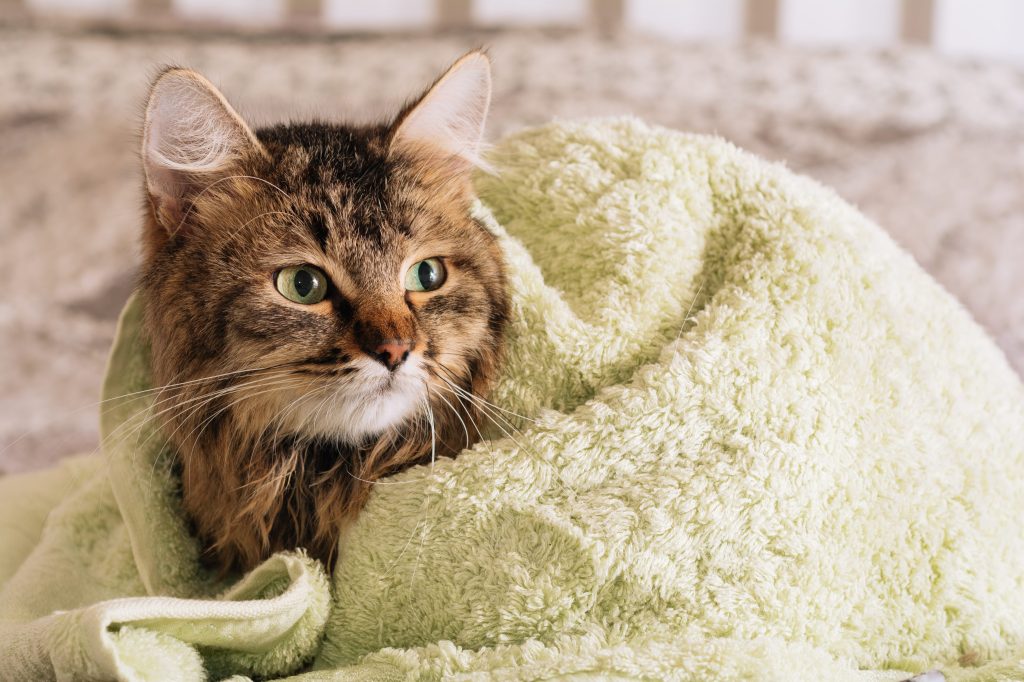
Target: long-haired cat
[322, 308]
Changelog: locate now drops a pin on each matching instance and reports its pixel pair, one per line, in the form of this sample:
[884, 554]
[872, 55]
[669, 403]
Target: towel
[740, 434]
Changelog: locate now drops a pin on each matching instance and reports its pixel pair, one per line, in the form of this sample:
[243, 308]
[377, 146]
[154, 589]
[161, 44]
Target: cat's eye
[427, 275]
[302, 284]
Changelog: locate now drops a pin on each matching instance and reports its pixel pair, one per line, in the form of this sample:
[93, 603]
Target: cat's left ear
[449, 118]
[192, 138]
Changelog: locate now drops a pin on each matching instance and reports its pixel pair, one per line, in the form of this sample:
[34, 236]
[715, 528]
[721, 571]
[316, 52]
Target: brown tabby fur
[344, 199]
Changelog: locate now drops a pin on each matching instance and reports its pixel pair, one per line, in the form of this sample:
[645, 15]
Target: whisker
[488, 410]
[419, 524]
[469, 409]
[190, 382]
[494, 417]
[433, 458]
[200, 402]
[192, 204]
[200, 398]
[261, 215]
[139, 395]
[265, 388]
[453, 377]
[148, 417]
[433, 432]
[689, 310]
[268, 384]
[459, 416]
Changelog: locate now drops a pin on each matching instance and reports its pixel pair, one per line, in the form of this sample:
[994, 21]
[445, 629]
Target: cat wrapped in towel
[605, 401]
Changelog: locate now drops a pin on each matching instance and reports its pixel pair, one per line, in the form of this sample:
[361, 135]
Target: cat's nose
[392, 352]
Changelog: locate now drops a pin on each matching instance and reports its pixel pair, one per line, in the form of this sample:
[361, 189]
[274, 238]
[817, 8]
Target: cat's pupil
[427, 275]
[304, 282]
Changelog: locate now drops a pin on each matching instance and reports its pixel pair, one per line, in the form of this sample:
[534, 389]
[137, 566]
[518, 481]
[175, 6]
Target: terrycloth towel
[740, 435]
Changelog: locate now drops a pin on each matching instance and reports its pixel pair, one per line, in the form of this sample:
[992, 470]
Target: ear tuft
[191, 136]
[450, 116]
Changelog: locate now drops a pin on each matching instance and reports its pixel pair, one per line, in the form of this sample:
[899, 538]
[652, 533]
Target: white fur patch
[364, 403]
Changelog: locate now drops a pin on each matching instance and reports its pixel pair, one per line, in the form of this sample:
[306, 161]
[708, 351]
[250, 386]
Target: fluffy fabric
[746, 437]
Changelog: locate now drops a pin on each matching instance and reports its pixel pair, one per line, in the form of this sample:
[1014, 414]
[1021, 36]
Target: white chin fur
[365, 403]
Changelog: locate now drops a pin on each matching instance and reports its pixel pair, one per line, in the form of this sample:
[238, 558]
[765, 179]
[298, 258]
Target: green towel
[740, 435]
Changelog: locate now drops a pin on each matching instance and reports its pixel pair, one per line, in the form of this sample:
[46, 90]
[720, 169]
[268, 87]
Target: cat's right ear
[191, 138]
[449, 117]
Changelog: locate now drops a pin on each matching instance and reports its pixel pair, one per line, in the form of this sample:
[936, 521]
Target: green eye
[302, 284]
[426, 275]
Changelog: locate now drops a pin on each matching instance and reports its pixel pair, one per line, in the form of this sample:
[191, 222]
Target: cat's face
[331, 278]
[357, 268]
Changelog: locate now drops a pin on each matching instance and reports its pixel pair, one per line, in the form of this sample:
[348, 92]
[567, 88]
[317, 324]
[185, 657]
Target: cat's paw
[930, 676]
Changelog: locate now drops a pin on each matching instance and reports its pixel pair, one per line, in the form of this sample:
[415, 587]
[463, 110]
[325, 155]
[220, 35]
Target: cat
[322, 309]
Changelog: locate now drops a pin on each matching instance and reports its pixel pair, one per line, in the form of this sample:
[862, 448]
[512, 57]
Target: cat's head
[330, 277]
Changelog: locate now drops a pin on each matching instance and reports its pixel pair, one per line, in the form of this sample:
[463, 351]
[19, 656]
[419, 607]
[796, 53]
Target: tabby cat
[322, 308]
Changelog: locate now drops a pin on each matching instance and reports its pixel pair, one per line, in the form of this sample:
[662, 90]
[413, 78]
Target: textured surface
[755, 440]
[931, 149]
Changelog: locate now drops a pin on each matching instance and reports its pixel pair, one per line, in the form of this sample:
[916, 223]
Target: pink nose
[393, 352]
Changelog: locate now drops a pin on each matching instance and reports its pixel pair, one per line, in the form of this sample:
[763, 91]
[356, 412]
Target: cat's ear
[191, 137]
[449, 118]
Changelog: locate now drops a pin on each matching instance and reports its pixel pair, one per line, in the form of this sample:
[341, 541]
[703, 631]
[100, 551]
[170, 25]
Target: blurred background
[911, 109]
